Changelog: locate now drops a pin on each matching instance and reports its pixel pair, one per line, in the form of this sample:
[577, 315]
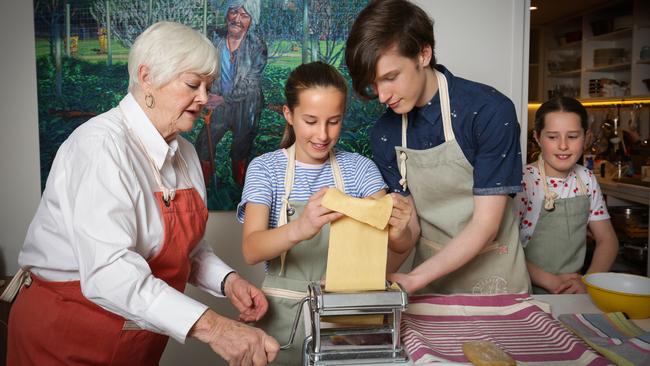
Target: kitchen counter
[560, 304]
[619, 194]
[580, 303]
[628, 192]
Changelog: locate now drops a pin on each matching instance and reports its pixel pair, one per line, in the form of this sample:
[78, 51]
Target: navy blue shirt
[484, 123]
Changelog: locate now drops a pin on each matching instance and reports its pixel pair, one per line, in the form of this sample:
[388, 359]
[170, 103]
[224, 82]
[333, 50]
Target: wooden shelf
[627, 67]
[612, 36]
[568, 46]
[614, 67]
[607, 101]
[565, 74]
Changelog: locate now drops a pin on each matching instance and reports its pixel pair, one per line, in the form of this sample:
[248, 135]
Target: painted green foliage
[89, 87]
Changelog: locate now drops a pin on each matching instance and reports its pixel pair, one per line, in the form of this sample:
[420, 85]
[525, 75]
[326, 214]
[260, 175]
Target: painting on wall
[81, 58]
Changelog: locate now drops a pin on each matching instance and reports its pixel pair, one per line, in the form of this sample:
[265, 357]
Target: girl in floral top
[560, 199]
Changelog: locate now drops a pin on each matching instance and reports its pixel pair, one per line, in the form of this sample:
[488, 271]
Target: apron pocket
[138, 347]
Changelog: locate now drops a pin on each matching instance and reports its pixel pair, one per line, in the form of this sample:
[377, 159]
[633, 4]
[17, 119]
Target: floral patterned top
[530, 201]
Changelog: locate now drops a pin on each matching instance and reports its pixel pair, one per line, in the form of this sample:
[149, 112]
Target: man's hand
[409, 281]
[236, 342]
[248, 299]
[399, 220]
[214, 100]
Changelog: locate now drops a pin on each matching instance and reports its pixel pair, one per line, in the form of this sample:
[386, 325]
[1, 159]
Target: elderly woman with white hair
[119, 230]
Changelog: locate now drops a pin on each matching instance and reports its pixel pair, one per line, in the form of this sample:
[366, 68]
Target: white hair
[169, 49]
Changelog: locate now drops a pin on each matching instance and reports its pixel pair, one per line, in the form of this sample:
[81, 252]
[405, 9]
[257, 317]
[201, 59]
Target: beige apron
[441, 181]
[287, 277]
[558, 244]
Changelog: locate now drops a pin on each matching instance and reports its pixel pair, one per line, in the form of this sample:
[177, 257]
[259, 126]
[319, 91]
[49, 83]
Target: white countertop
[573, 304]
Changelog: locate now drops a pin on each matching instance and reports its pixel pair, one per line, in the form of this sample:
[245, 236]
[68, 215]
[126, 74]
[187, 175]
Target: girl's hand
[571, 284]
[313, 218]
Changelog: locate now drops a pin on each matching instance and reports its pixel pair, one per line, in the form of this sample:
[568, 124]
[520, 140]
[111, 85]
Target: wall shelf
[564, 74]
[626, 77]
[614, 67]
[612, 36]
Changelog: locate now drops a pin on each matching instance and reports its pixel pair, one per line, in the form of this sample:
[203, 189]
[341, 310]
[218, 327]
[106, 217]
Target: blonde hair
[170, 49]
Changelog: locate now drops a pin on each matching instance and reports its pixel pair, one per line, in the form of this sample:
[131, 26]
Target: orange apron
[52, 323]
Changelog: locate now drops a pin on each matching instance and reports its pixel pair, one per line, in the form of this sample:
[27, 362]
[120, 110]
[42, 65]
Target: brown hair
[306, 76]
[380, 26]
[560, 104]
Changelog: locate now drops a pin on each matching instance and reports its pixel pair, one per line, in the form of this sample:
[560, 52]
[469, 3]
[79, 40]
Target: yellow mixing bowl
[613, 292]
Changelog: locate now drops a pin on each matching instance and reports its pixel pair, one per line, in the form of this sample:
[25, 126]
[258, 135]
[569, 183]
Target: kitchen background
[599, 52]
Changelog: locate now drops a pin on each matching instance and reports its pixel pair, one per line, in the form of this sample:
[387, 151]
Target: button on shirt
[98, 221]
[484, 122]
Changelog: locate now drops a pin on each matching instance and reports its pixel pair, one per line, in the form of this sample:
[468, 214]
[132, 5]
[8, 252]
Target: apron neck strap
[288, 186]
[445, 112]
[550, 197]
[168, 193]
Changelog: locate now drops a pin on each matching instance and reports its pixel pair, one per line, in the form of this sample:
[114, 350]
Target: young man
[450, 145]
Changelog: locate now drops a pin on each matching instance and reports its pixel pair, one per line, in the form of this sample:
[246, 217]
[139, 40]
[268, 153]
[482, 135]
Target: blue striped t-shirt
[265, 180]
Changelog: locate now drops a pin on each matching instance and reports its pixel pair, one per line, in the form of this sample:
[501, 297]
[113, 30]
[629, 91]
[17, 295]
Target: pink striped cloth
[434, 327]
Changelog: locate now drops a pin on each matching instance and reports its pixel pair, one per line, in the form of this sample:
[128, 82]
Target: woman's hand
[236, 342]
[248, 299]
[313, 218]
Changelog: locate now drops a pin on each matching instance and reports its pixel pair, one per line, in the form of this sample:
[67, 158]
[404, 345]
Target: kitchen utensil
[347, 344]
[647, 83]
[622, 292]
[645, 53]
[635, 252]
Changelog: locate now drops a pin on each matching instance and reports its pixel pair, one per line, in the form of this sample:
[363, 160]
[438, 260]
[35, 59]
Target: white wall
[485, 41]
[482, 40]
[19, 158]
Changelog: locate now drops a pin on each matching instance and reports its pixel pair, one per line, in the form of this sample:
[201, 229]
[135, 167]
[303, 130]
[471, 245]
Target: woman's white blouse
[530, 201]
[98, 221]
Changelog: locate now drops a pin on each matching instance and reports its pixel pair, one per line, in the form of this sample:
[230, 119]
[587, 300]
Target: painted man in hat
[237, 95]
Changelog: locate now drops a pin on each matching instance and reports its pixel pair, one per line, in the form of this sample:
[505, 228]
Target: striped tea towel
[612, 335]
[434, 327]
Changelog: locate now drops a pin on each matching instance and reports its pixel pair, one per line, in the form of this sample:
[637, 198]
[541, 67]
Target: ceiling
[549, 11]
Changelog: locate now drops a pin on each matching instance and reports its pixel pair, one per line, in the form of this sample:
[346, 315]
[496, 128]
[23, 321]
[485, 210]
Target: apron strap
[445, 110]
[582, 188]
[168, 193]
[22, 277]
[286, 210]
[550, 197]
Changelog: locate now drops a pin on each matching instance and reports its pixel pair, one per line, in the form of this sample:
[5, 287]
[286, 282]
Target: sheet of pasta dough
[358, 246]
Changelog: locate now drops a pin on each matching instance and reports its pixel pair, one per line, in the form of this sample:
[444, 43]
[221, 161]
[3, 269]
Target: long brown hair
[306, 76]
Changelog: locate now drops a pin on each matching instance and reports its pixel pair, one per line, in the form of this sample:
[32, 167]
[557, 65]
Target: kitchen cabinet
[596, 55]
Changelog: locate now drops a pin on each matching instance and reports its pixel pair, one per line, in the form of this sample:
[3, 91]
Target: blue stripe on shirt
[265, 180]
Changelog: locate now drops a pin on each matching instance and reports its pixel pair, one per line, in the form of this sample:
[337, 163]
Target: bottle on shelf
[618, 154]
